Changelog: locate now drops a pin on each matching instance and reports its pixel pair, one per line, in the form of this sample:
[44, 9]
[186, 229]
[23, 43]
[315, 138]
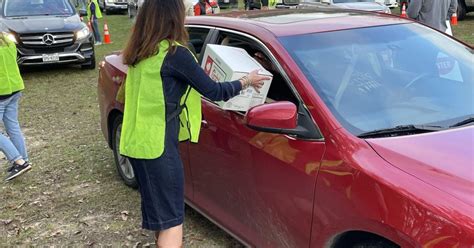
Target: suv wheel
[89, 65]
[124, 167]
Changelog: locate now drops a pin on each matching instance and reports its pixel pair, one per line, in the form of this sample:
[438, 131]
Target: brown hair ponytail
[157, 20]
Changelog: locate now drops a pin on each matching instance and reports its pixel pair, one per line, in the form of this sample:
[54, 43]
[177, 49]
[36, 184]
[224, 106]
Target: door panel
[188, 185]
[258, 185]
[198, 37]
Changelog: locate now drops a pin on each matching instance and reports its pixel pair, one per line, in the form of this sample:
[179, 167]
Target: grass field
[73, 195]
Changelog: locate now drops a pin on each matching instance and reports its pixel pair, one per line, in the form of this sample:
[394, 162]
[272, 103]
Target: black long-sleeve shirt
[180, 69]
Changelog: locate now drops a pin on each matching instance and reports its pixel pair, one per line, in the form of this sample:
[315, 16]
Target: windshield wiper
[400, 130]
[470, 119]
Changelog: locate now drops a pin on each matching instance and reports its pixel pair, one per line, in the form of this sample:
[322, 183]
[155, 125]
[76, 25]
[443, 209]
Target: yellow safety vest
[10, 77]
[98, 13]
[144, 120]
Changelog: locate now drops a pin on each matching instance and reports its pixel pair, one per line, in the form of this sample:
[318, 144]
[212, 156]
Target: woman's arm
[184, 68]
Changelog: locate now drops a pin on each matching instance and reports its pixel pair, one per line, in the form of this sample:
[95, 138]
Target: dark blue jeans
[12, 146]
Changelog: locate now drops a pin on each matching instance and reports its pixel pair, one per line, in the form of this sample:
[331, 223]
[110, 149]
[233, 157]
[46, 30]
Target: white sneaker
[98, 43]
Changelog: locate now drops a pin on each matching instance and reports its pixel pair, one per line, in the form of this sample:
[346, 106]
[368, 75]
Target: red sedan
[365, 139]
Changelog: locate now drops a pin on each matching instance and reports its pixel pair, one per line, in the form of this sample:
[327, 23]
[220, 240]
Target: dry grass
[73, 195]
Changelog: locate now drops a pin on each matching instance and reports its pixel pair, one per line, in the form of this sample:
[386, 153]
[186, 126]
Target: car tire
[461, 11]
[122, 163]
[89, 65]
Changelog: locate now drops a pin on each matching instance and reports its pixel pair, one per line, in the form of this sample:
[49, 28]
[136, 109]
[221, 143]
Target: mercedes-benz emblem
[48, 39]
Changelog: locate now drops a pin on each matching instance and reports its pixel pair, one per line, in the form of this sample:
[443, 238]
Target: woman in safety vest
[162, 107]
[203, 7]
[93, 14]
[11, 85]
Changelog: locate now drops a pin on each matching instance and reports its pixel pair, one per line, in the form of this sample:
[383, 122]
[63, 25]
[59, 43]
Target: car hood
[443, 159]
[42, 23]
[368, 6]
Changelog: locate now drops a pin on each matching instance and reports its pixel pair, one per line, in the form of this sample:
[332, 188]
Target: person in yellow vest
[11, 85]
[93, 14]
[162, 107]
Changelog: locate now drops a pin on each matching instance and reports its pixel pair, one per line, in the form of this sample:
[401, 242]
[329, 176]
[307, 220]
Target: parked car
[224, 4]
[367, 5]
[280, 4]
[118, 6]
[365, 139]
[47, 32]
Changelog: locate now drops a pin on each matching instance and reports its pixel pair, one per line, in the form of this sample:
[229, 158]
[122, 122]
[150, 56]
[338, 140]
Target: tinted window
[382, 77]
[197, 38]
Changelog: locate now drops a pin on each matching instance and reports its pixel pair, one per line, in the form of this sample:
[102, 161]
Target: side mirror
[273, 117]
[283, 117]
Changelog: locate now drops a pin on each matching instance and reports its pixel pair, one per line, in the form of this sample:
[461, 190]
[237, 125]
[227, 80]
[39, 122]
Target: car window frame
[210, 36]
[302, 108]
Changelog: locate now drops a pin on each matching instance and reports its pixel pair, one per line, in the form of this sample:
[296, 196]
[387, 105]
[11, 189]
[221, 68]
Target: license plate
[124, 6]
[50, 57]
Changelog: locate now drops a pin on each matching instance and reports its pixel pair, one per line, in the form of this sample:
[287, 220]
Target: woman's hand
[254, 79]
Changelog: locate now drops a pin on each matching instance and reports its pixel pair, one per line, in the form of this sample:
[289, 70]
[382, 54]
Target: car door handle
[204, 124]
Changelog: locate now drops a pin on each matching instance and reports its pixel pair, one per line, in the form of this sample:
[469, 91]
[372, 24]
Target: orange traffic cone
[454, 19]
[404, 11]
[106, 34]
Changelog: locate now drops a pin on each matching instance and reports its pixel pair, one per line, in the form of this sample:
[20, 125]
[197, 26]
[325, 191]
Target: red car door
[258, 185]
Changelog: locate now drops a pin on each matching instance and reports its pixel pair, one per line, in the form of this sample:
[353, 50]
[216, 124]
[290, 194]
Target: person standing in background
[189, 6]
[203, 7]
[93, 14]
[11, 85]
[433, 13]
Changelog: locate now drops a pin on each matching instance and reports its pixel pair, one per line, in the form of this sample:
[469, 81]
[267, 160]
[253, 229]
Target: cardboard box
[223, 64]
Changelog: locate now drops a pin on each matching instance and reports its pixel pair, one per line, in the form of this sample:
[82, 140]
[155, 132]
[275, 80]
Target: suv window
[14, 8]
[279, 89]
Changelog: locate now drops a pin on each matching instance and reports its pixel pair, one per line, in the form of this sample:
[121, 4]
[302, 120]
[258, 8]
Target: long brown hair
[157, 20]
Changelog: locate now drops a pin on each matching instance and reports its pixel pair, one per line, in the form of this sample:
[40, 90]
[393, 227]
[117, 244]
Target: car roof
[284, 22]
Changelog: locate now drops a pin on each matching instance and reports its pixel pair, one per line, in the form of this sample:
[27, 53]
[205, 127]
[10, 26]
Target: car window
[197, 38]
[279, 89]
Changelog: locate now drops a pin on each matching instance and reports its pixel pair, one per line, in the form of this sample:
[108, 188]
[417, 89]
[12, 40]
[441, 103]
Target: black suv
[47, 32]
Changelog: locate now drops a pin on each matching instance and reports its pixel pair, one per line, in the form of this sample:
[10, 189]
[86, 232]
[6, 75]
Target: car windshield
[15, 8]
[382, 77]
